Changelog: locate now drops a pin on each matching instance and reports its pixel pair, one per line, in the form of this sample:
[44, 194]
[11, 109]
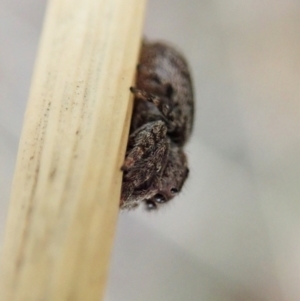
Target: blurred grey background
[234, 232]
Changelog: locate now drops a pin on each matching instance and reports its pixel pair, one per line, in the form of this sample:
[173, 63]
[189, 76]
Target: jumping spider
[155, 166]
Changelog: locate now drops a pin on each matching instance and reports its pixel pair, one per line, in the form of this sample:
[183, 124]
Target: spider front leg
[143, 142]
[145, 159]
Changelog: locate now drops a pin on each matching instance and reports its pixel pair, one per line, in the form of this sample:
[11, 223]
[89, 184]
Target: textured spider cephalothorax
[155, 166]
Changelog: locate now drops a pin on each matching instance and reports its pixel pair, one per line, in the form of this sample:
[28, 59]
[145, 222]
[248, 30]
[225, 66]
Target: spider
[155, 166]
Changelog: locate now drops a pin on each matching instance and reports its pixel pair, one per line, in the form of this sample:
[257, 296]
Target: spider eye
[169, 91]
[150, 205]
[159, 198]
[174, 190]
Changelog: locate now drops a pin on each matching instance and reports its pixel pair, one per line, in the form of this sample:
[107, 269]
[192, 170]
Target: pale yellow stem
[66, 188]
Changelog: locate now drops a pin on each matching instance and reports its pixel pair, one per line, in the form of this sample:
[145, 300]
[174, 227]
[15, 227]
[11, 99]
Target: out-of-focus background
[234, 232]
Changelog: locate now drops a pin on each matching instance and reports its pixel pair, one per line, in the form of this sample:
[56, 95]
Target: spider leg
[145, 158]
[143, 141]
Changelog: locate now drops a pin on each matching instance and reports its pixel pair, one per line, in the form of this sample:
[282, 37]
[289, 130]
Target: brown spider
[155, 166]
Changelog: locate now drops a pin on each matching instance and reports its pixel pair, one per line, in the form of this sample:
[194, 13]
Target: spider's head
[172, 179]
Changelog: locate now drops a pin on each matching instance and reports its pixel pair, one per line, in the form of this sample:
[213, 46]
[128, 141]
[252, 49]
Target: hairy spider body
[155, 166]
